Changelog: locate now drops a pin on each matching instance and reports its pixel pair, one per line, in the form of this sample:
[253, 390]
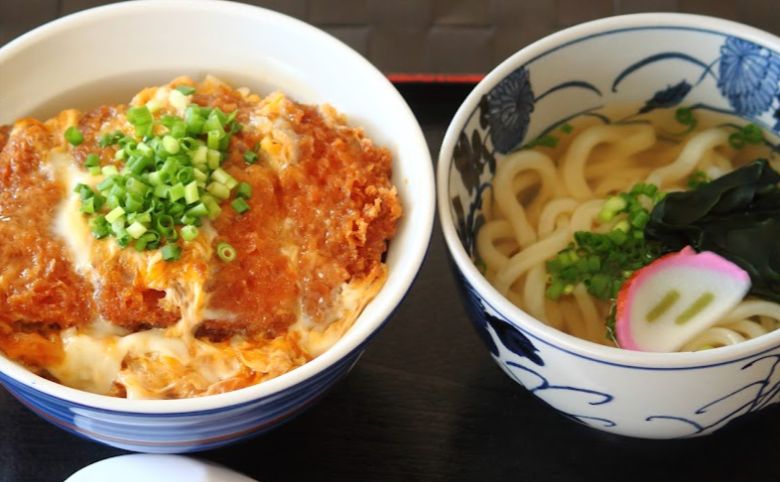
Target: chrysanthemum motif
[749, 76]
[510, 104]
[776, 127]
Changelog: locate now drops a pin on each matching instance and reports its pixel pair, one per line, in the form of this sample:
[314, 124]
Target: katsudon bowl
[607, 74]
[107, 54]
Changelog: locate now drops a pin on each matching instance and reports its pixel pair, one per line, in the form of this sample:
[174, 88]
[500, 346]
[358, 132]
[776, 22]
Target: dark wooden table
[426, 402]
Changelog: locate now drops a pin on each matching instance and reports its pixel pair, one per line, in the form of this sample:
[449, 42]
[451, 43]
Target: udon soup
[658, 235]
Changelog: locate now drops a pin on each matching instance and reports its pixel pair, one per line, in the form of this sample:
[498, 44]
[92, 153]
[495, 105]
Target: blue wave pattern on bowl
[515, 354]
[747, 77]
[183, 432]
[766, 389]
[523, 360]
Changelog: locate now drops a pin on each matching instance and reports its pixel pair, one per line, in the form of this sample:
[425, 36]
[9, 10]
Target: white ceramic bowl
[657, 60]
[109, 53]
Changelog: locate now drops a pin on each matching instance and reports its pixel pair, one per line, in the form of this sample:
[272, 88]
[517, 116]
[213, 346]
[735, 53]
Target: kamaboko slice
[668, 302]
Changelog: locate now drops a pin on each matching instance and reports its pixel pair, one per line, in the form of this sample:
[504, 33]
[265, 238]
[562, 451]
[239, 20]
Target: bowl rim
[523, 321]
[418, 224]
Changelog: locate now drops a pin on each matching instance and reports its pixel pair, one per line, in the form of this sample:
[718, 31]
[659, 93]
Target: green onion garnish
[188, 233]
[226, 252]
[244, 190]
[136, 230]
[74, 136]
[171, 252]
[240, 205]
[139, 116]
[92, 160]
[165, 181]
[250, 157]
[748, 134]
[186, 89]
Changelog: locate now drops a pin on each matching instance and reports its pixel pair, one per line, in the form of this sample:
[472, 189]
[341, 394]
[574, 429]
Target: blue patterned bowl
[652, 61]
[262, 50]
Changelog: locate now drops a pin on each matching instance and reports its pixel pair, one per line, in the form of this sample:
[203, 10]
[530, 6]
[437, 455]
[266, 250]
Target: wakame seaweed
[736, 216]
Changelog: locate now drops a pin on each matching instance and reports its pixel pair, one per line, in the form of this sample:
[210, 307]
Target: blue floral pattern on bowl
[749, 77]
[509, 107]
[730, 76]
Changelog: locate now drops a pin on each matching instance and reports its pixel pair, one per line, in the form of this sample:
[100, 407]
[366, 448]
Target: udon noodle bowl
[602, 235]
[199, 240]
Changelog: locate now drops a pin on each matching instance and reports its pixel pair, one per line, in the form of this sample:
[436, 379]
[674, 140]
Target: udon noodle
[542, 196]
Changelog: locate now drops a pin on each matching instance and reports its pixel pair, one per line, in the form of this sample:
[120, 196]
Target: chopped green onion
[194, 121]
[143, 218]
[139, 116]
[189, 233]
[640, 219]
[684, 116]
[737, 140]
[220, 175]
[218, 190]
[110, 139]
[178, 130]
[698, 179]
[250, 157]
[92, 160]
[74, 136]
[188, 220]
[186, 89]
[752, 134]
[240, 205]
[748, 134]
[133, 203]
[212, 206]
[244, 190]
[115, 214]
[176, 209]
[136, 230]
[215, 122]
[191, 192]
[176, 192]
[171, 252]
[185, 175]
[109, 170]
[88, 205]
[200, 156]
[199, 175]
[144, 149]
[198, 210]
[83, 190]
[171, 145]
[100, 227]
[161, 191]
[231, 182]
[611, 207]
[152, 239]
[622, 226]
[213, 138]
[226, 252]
[214, 158]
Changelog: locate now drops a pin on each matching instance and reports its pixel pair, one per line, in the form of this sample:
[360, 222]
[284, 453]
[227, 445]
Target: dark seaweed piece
[736, 216]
